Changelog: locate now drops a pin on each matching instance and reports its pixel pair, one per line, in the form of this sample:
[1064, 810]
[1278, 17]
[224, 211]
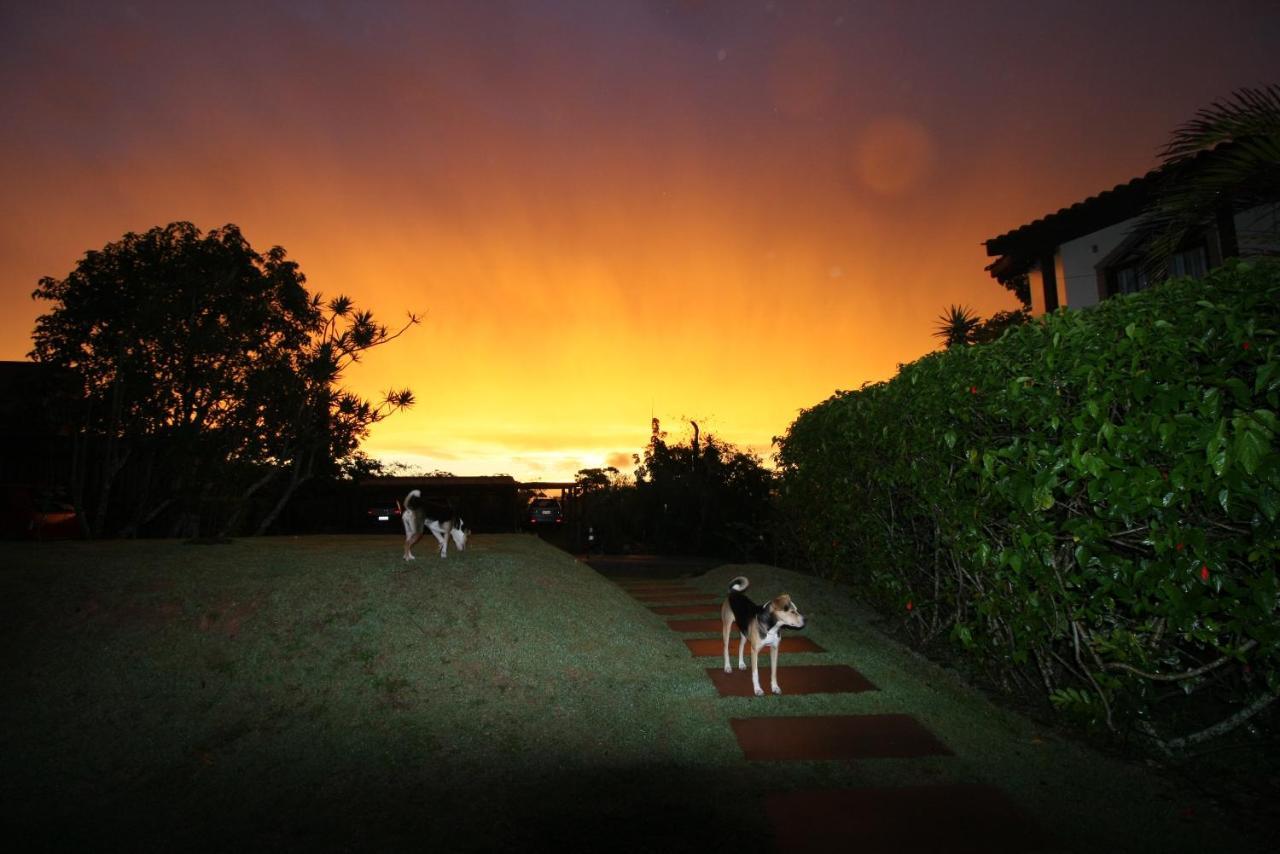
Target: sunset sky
[604, 210]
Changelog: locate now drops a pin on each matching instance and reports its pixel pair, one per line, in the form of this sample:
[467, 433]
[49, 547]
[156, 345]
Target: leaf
[1250, 447]
[1266, 378]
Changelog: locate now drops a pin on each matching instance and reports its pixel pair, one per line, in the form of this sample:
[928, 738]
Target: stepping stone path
[671, 610]
[813, 679]
[692, 596]
[963, 819]
[836, 737]
[694, 625]
[952, 818]
[702, 647]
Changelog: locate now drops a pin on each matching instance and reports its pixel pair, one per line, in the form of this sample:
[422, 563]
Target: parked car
[545, 511]
[384, 517]
[28, 513]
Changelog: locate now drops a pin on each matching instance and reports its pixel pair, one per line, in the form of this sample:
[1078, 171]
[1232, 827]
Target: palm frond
[1243, 170]
[1246, 113]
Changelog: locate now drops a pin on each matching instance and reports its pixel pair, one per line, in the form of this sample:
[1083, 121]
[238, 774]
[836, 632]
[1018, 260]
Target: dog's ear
[782, 601]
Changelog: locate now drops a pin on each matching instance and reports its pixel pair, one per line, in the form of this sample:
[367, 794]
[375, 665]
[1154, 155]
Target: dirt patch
[87, 609]
[835, 737]
[229, 619]
[959, 819]
[148, 614]
[169, 611]
[814, 679]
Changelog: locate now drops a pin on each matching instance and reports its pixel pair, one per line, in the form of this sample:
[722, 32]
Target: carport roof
[488, 480]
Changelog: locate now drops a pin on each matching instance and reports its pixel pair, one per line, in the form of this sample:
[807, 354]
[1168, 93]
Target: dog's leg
[773, 667]
[410, 540]
[725, 631]
[755, 669]
[742, 645]
[438, 532]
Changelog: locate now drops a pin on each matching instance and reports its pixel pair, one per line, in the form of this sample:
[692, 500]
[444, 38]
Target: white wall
[1077, 260]
[1080, 258]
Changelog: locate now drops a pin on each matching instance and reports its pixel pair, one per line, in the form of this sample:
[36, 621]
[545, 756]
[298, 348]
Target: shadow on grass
[368, 809]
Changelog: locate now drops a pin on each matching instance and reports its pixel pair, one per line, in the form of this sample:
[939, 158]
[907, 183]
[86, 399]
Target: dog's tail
[740, 583]
[413, 493]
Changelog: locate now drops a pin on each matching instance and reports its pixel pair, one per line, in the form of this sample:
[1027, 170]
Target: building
[1089, 251]
[37, 450]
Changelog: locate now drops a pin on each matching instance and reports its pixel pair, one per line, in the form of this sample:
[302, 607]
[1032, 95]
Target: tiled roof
[1020, 247]
[491, 480]
[1121, 202]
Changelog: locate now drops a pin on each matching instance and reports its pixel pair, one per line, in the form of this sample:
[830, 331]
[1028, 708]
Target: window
[1131, 278]
[1189, 262]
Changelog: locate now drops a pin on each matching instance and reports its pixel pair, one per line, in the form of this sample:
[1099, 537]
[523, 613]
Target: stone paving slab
[649, 567]
[958, 819]
[694, 625]
[632, 584]
[703, 647]
[666, 596]
[835, 737]
[803, 679]
[657, 588]
[676, 610]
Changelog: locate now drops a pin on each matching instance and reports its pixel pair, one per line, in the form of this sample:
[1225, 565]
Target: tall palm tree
[1243, 132]
[956, 326]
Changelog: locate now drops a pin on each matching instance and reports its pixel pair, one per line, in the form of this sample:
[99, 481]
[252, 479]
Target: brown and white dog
[762, 625]
[418, 519]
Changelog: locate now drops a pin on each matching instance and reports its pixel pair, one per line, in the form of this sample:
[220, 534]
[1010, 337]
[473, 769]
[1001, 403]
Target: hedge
[1086, 506]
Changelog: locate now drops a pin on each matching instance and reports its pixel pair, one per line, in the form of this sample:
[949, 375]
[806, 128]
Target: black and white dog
[762, 625]
[420, 517]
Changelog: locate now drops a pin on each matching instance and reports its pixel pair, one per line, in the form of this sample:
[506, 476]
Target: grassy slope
[316, 691]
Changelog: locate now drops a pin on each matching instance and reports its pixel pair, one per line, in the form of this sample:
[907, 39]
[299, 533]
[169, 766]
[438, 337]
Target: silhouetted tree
[706, 497]
[1020, 287]
[994, 326]
[608, 506]
[202, 363]
[329, 421]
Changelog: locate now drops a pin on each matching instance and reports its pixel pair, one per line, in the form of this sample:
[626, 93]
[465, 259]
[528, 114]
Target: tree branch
[1178, 677]
[1224, 726]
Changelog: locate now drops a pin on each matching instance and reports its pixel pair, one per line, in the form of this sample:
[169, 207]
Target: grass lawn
[318, 692]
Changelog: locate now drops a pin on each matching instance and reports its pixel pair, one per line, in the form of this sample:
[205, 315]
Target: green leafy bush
[1088, 504]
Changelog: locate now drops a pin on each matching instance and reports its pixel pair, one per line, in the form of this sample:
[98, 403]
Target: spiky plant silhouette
[957, 325]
